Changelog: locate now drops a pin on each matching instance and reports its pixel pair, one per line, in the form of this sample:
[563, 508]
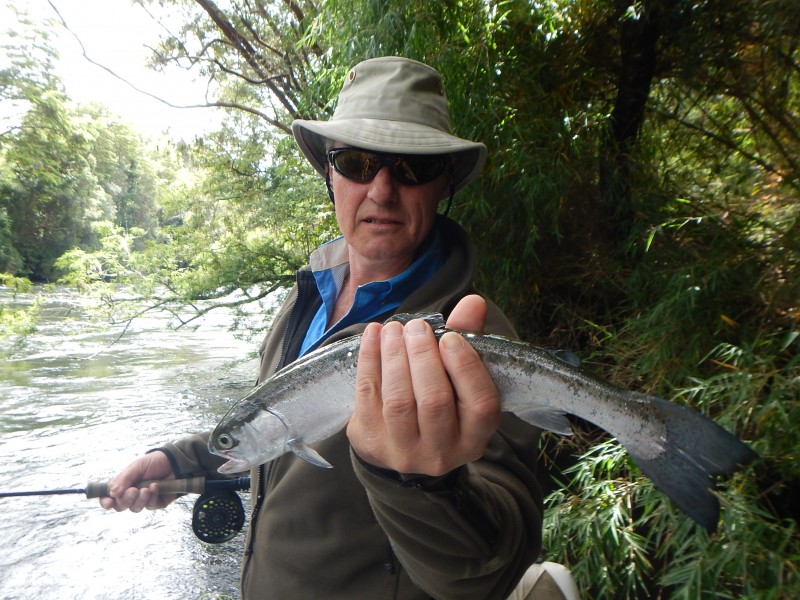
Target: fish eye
[225, 441]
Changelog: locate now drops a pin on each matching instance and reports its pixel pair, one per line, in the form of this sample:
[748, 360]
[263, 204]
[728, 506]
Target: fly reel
[217, 516]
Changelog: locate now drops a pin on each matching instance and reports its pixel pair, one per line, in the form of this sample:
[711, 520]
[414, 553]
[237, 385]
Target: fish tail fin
[695, 450]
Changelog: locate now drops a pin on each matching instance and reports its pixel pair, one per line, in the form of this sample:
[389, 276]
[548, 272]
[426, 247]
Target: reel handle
[190, 485]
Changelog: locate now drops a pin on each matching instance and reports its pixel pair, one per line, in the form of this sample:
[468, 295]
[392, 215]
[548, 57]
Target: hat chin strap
[450, 198]
[328, 185]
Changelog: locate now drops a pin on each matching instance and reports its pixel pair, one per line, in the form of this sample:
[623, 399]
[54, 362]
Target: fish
[681, 450]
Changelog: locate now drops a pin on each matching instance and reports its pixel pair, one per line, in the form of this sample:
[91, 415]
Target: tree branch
[120, 77]
[241, 44]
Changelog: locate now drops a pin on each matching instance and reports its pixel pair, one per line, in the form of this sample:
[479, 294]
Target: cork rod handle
[190, 485]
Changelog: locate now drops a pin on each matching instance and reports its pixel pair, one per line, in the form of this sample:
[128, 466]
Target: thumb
[469, 314]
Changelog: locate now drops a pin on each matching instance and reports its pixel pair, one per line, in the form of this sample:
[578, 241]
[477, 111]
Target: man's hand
[126, 496]
[422, 407]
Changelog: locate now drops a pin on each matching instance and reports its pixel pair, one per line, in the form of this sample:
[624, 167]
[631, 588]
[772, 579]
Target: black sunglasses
[410, 169]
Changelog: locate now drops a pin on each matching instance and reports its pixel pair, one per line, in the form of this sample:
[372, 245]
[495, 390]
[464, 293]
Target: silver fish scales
[678, 448]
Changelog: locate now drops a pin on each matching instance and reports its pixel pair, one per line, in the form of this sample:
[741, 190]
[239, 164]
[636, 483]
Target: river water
[77, 404]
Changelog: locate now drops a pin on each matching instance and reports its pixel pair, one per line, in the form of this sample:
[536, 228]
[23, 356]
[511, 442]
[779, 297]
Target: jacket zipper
[264, 471]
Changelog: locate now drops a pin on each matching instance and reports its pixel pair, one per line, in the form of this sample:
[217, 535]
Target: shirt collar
[330, 266]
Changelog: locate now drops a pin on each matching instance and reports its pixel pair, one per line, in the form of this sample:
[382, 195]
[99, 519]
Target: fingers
[404, 417]
[478, 400]
[468, 315]
[399, 409]
[422, 406]
[365, 428]
[437, 420]
[132, 498]
[124, 494]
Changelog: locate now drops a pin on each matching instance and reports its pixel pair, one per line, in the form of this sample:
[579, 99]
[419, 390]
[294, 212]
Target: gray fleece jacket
[357, 532]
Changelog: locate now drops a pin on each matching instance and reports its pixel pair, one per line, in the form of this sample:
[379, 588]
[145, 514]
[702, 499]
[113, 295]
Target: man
[433, 491]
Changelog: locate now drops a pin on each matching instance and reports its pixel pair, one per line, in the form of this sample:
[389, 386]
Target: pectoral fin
[547, 418]
[308, 454]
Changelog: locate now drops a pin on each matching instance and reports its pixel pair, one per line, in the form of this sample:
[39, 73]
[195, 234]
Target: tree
[125, 168]
[53, 195]
[640, 203]
[246, 219]
[65, 167]
[27, 69]
[68, 168]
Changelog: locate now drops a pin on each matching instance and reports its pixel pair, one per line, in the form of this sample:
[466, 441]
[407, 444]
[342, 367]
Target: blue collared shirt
[330, 268]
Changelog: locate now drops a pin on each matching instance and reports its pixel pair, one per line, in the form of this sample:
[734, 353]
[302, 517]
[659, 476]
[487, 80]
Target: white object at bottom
[527, 587]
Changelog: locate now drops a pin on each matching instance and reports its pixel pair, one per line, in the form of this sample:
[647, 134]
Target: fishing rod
[218, 513]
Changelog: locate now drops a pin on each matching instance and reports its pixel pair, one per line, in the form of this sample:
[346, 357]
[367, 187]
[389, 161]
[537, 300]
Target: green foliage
[640, 205]
[239, 218]
[17, 320]
[63, 167]
[26, 67]
[591, 525]
[110, 262]
[250, 220]
[608, 519]
[680, 278]
[10, 260]
[67, 170]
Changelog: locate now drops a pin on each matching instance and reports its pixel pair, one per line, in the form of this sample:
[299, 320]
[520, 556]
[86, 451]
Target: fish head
[249, 443]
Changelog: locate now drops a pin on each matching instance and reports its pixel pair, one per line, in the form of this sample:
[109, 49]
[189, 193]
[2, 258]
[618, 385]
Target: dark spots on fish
[350, 360]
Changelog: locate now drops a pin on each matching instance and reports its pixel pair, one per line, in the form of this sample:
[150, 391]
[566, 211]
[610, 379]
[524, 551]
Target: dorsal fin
[567, 357]
[435, 320]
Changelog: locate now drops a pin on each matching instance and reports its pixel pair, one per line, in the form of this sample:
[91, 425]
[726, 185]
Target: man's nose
[383, 187]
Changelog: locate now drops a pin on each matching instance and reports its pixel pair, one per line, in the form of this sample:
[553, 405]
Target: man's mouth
[380, 221]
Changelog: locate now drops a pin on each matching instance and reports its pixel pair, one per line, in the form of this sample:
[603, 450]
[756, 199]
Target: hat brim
[389, 136]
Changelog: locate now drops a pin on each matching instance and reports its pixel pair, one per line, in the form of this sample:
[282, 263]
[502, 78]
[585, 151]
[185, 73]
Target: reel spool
[217, 516]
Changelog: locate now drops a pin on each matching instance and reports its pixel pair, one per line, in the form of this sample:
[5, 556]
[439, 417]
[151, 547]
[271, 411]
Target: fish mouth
[236, 463]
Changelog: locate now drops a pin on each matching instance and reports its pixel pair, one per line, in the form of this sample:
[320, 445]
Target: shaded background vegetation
[639, 206]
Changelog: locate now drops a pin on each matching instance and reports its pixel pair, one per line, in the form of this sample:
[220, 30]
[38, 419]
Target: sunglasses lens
[361, 165]
[355, 164]
[418, 169]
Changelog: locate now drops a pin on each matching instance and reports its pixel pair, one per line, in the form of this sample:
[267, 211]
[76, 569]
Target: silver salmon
[678, 448]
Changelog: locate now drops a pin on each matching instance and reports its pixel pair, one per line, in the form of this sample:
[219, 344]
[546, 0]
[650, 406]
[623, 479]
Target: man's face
[383, 220]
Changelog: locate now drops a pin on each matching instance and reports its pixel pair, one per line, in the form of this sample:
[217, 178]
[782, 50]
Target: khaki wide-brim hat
[396, 105]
